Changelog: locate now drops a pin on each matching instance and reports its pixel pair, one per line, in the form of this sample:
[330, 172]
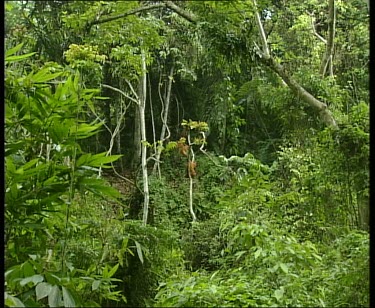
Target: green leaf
[68, 298]
[51, 278]
[139, 251]
[84, 130]
[284, 267]
[13, 50]
[278, 294]
[42, 290]
[257, 253]
[19, 58]
[98, 187]
[58, 130]
[14, 147]
[98, 160]
[113, 271]
[95, 285]
[12, 301]
[76, 82]
[35, 279]
[316, 256]
[30, 164]
[27, 269]
[44, 75]
[54, 297]
[83, 159]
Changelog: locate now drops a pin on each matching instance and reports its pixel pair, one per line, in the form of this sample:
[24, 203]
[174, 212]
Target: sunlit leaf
[284, 267]
[44, 75]
[113, 271]
[19, 58]
[13, 50]
[139, 251]
[42, 290]
[54, 297]
[34, 279]
[95, 285]
[278, 294]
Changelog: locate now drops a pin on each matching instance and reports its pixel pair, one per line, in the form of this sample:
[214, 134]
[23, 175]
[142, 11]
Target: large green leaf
[42, 290]
[12, 301]
[13, 50]
[99, 160]
[30, 164]
[44, 75]
[84, 130]
[27, 269]
[83, 159]
[19, 58]
[68, 298]
[98, 187]
[34, 279]
[54, 297]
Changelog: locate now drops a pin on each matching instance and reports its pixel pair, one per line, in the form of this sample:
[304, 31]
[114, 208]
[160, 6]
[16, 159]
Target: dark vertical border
[2, 144]
[372, 143]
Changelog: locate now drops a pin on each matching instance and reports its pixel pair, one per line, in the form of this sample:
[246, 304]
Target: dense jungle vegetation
[187, 153]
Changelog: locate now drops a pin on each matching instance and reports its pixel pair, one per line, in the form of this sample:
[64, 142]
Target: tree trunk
[164, 117]
[363, 211]
[136, 140]
[142, 107]
[191, 160]
[107, 106]
[327, 61]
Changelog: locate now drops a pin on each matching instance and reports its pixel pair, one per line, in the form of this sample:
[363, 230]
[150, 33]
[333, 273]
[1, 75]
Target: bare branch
[169, 4]
[121, 92]
[130, 12]
[266, 51]
[314, 29]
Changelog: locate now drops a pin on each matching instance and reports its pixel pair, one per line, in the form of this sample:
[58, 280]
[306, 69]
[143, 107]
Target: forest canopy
[187, 153]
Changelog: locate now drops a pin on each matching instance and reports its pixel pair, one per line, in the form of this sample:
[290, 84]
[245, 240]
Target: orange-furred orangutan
[183, 149]
[191, 168]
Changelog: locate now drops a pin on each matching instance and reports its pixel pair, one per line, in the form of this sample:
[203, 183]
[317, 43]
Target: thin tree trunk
[152, 117]
[363, 211]
[191, 180]
[164, 117]
[136, 140]
[142, 107]
[327, 61]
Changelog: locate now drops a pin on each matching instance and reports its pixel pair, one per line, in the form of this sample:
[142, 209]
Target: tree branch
[314, 29]
[299, 91]
[121, 92]
[169, 4]
[183, 13]
[130, 12]
[266, 51]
